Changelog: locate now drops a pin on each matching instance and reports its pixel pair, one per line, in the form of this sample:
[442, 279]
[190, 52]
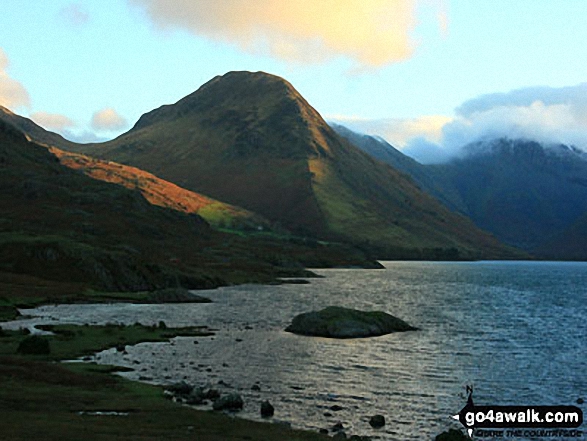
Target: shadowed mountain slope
[250, 139]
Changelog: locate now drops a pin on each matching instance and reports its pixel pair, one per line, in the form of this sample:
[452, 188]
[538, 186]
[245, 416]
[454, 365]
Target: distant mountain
[250, 139]
[522, 191]
[59, 225]
[529, 195]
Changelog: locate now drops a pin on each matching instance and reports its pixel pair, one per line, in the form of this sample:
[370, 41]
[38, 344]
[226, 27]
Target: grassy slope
[163, 193]
[251, 139]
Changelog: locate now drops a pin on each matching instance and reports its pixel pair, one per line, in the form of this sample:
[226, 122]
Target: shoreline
[65, 399]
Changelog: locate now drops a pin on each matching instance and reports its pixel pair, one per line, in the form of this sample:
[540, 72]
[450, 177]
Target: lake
[515, 330]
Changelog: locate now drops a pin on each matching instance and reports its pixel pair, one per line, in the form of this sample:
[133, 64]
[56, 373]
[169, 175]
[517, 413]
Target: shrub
[34, 345]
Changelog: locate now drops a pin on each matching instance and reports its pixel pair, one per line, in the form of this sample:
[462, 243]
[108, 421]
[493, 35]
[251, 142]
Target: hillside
[163, 193]
[429, 179]
[251, 140]
[62, 232]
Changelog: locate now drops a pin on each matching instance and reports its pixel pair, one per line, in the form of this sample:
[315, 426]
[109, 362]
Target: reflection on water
[515, 330]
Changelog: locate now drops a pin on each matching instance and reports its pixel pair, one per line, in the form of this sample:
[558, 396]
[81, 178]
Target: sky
[426, 75]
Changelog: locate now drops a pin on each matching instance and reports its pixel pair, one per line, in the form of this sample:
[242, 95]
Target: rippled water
[516, 330]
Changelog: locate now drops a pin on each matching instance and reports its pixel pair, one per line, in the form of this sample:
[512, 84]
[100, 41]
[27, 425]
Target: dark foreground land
[43, 399]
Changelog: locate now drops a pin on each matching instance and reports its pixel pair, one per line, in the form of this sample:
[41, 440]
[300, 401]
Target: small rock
[267, 410]
[336, 408]
[256, 387]
[195, 397]
[212, 394]
[181, 388]
[377, 421]
[327, 414]
[337, 427]
[229, 402]
[580, 401]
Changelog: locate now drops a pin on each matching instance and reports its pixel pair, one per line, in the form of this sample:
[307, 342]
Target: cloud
[75, 14]
[12, 94]
[545, 114]
[573, 96]
[108, 120]
[398, 131]
[373, 33]
[52, 121]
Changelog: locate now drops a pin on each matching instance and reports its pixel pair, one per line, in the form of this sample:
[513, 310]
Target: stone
[231, 402]
[337, 427]
[181, 388]
[377, 421]
[196, 396]
[339, 322]
[267, 410]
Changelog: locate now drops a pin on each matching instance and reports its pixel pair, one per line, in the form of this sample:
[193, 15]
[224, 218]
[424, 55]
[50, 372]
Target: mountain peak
[248, 91]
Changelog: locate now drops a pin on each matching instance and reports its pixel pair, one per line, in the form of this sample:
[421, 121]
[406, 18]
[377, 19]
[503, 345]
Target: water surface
[516, 330]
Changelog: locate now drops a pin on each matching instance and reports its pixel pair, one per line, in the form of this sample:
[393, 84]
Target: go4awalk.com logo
[520, 421]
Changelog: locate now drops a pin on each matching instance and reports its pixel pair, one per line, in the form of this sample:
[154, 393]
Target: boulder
[196, 396]
[228, 402]
[181, 388]
[338, 322]
[377, 421]
[267, 410]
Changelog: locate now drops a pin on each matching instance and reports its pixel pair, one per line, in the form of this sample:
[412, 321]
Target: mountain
[530, 195]
[522, 191]
[428, 179]
[59, 227]
[251, 140]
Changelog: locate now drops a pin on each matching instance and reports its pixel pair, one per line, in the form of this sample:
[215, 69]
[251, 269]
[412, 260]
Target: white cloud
[398, 131]
[544, 114]
[12, 94]
[370, 32]
[108, 120]
[52, 121]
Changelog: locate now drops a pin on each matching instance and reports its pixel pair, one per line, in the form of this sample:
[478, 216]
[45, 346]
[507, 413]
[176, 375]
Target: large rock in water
[338, 322]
